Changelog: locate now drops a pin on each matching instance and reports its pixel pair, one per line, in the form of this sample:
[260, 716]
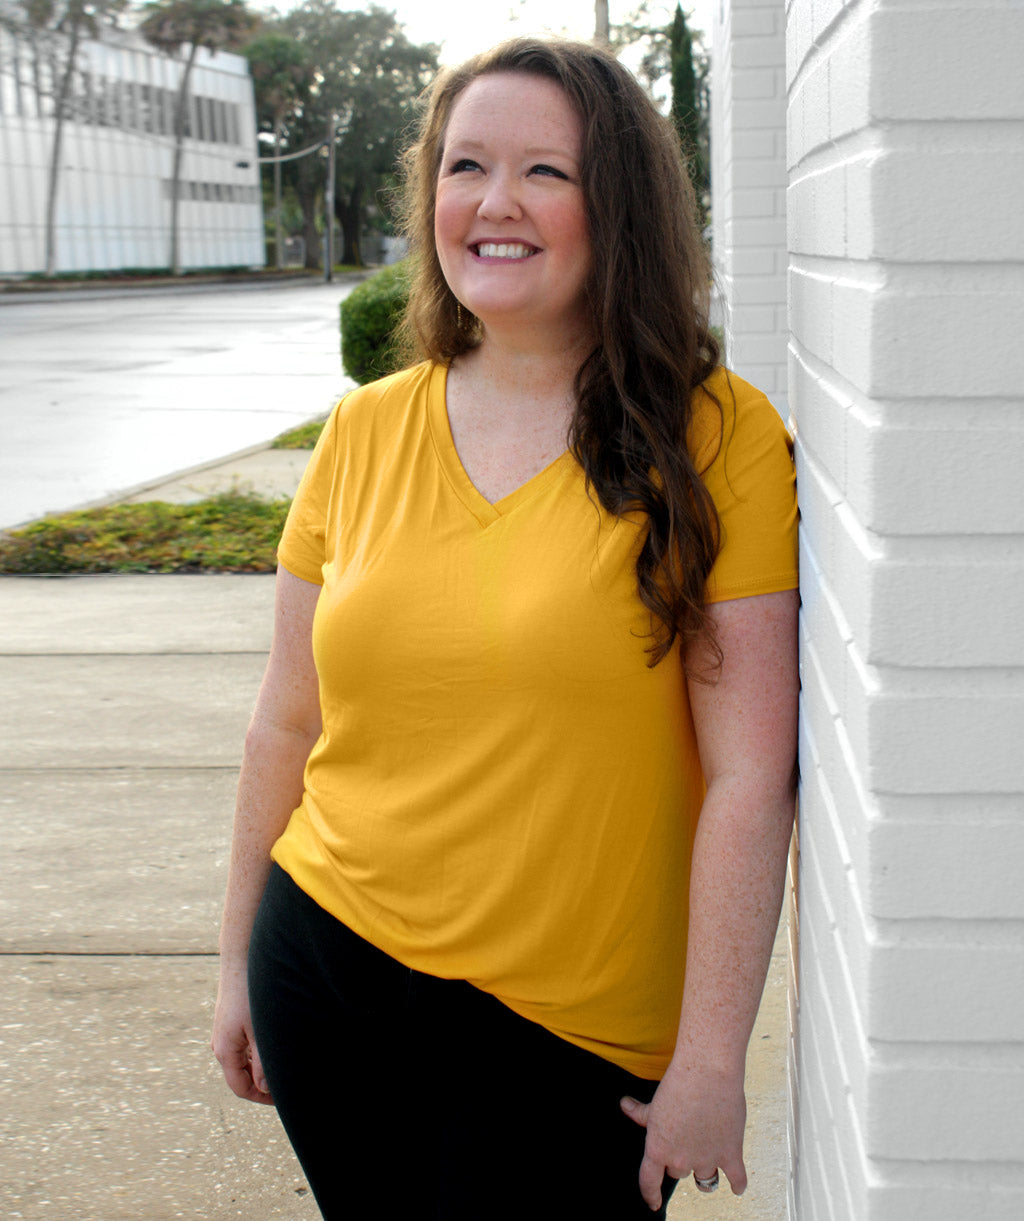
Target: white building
[114, 192]
[871, 153]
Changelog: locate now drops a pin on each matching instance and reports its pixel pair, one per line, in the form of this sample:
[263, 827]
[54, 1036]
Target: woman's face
[510, 223]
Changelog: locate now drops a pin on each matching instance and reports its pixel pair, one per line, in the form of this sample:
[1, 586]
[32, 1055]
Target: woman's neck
[527, 377]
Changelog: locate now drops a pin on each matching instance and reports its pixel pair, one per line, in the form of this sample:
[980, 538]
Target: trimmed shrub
[369, 316]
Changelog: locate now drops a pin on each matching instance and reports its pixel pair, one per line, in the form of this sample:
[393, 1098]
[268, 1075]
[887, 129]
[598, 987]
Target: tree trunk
[306, 191]
[53, 179]
[179, 142]
[350, 214]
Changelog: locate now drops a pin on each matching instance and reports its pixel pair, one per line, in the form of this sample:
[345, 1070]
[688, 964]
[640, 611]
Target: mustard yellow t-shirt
[504, 791]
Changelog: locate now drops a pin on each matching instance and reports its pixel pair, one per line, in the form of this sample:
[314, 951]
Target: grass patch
[233, 532]
[303, 437]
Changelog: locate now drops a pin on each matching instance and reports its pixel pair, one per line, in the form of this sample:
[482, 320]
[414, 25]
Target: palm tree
[169, 25]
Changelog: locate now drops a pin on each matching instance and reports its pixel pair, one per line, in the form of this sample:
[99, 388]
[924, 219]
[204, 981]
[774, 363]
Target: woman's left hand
[694, 1125]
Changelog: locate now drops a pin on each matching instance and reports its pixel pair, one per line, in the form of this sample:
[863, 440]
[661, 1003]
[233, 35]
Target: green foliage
[233, 532]
[369, 317]
[689, 105]
[278, 65]
[361, 68]
[169, 25]
[303, 437]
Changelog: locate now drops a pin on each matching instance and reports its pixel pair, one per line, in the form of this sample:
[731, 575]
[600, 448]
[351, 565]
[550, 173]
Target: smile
[510, 250]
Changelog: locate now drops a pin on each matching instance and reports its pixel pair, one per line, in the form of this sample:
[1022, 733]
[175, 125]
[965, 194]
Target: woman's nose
[500, 198]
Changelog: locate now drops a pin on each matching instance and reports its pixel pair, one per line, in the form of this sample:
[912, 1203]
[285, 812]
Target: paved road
[104, 393]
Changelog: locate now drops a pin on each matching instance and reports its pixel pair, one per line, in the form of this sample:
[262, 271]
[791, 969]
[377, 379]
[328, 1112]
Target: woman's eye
[549, 170]
[463, 164]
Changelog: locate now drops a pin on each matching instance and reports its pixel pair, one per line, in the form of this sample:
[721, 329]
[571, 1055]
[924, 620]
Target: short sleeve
[303, 546]
[752, 481]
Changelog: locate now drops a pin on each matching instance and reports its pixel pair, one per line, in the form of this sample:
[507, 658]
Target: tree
[57, 27]
[362, 69]
[676, 52]
[170, 25]
[686, 109]
[279, 68]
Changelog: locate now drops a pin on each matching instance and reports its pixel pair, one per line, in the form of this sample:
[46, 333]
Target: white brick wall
[749, 194]
[905, 129]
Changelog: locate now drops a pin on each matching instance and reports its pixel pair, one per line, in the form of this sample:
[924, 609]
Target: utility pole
[332, 123]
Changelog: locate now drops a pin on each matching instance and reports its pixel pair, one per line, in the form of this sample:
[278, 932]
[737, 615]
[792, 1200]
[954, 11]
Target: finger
[637, 1111]
[259, 1077]
[736, 1173]
[651, 1178]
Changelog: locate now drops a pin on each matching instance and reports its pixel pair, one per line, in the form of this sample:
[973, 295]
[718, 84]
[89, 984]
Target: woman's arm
[746, 732]
[284, 727]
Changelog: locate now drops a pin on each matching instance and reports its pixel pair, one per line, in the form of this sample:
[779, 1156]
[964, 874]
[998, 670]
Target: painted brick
[968, 312]
[763, 290]
[753, 262]
[750, 202]
[963, 203]
[760, 234]
[822, 409]
[946, 1190]
[795, 142]
[811, 312]
[816, 213]
[956, 987]
[817, 105]
[915, 56]
[823, 14]
[748, 146]
[798, 38]
[757, 83]
[753, 23]
[851, 68]
[752, 349]
[973, 867]
[766, 113]
[924, 480]
[946, 1110]
[765, 171]
[757, 53]
[951, 741]
[947, 600]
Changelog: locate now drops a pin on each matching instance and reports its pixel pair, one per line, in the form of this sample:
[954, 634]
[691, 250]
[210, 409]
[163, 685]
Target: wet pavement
[104, 392]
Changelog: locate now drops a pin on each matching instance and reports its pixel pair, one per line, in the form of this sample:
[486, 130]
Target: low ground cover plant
[232, 532]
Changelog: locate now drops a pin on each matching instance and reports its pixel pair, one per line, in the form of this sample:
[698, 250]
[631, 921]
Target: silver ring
[706, 1185]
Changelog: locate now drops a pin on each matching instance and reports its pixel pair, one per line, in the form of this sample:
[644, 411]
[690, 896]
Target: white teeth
[511, 250]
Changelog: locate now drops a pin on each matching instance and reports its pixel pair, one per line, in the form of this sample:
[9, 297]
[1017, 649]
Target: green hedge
[369, 316]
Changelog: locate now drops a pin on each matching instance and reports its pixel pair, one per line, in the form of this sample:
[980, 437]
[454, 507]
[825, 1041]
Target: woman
[549, 694]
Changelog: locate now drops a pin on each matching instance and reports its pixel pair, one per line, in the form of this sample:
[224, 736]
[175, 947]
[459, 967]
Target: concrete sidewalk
[125, 704]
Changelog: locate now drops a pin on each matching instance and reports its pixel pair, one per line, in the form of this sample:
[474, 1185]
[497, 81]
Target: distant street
[100, 395]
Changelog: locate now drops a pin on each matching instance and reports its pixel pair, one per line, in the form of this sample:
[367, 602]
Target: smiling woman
[510, 223]
[525, 744]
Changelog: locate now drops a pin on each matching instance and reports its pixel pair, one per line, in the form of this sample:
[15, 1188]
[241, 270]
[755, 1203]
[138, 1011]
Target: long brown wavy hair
[648, 289]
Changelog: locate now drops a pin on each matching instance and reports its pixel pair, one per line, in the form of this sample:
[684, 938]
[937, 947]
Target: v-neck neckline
[484, 510]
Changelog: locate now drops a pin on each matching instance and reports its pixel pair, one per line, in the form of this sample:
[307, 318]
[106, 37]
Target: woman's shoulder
[388, 395]
[727, 411]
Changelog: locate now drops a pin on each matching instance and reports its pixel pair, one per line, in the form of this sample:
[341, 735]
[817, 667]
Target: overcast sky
[463, 27]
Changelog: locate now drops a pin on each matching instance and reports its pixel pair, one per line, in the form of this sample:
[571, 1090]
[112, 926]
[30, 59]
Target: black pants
[405, 1095]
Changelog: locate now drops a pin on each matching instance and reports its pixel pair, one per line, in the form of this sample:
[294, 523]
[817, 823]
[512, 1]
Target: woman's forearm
[736, 887]
[269, 789]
